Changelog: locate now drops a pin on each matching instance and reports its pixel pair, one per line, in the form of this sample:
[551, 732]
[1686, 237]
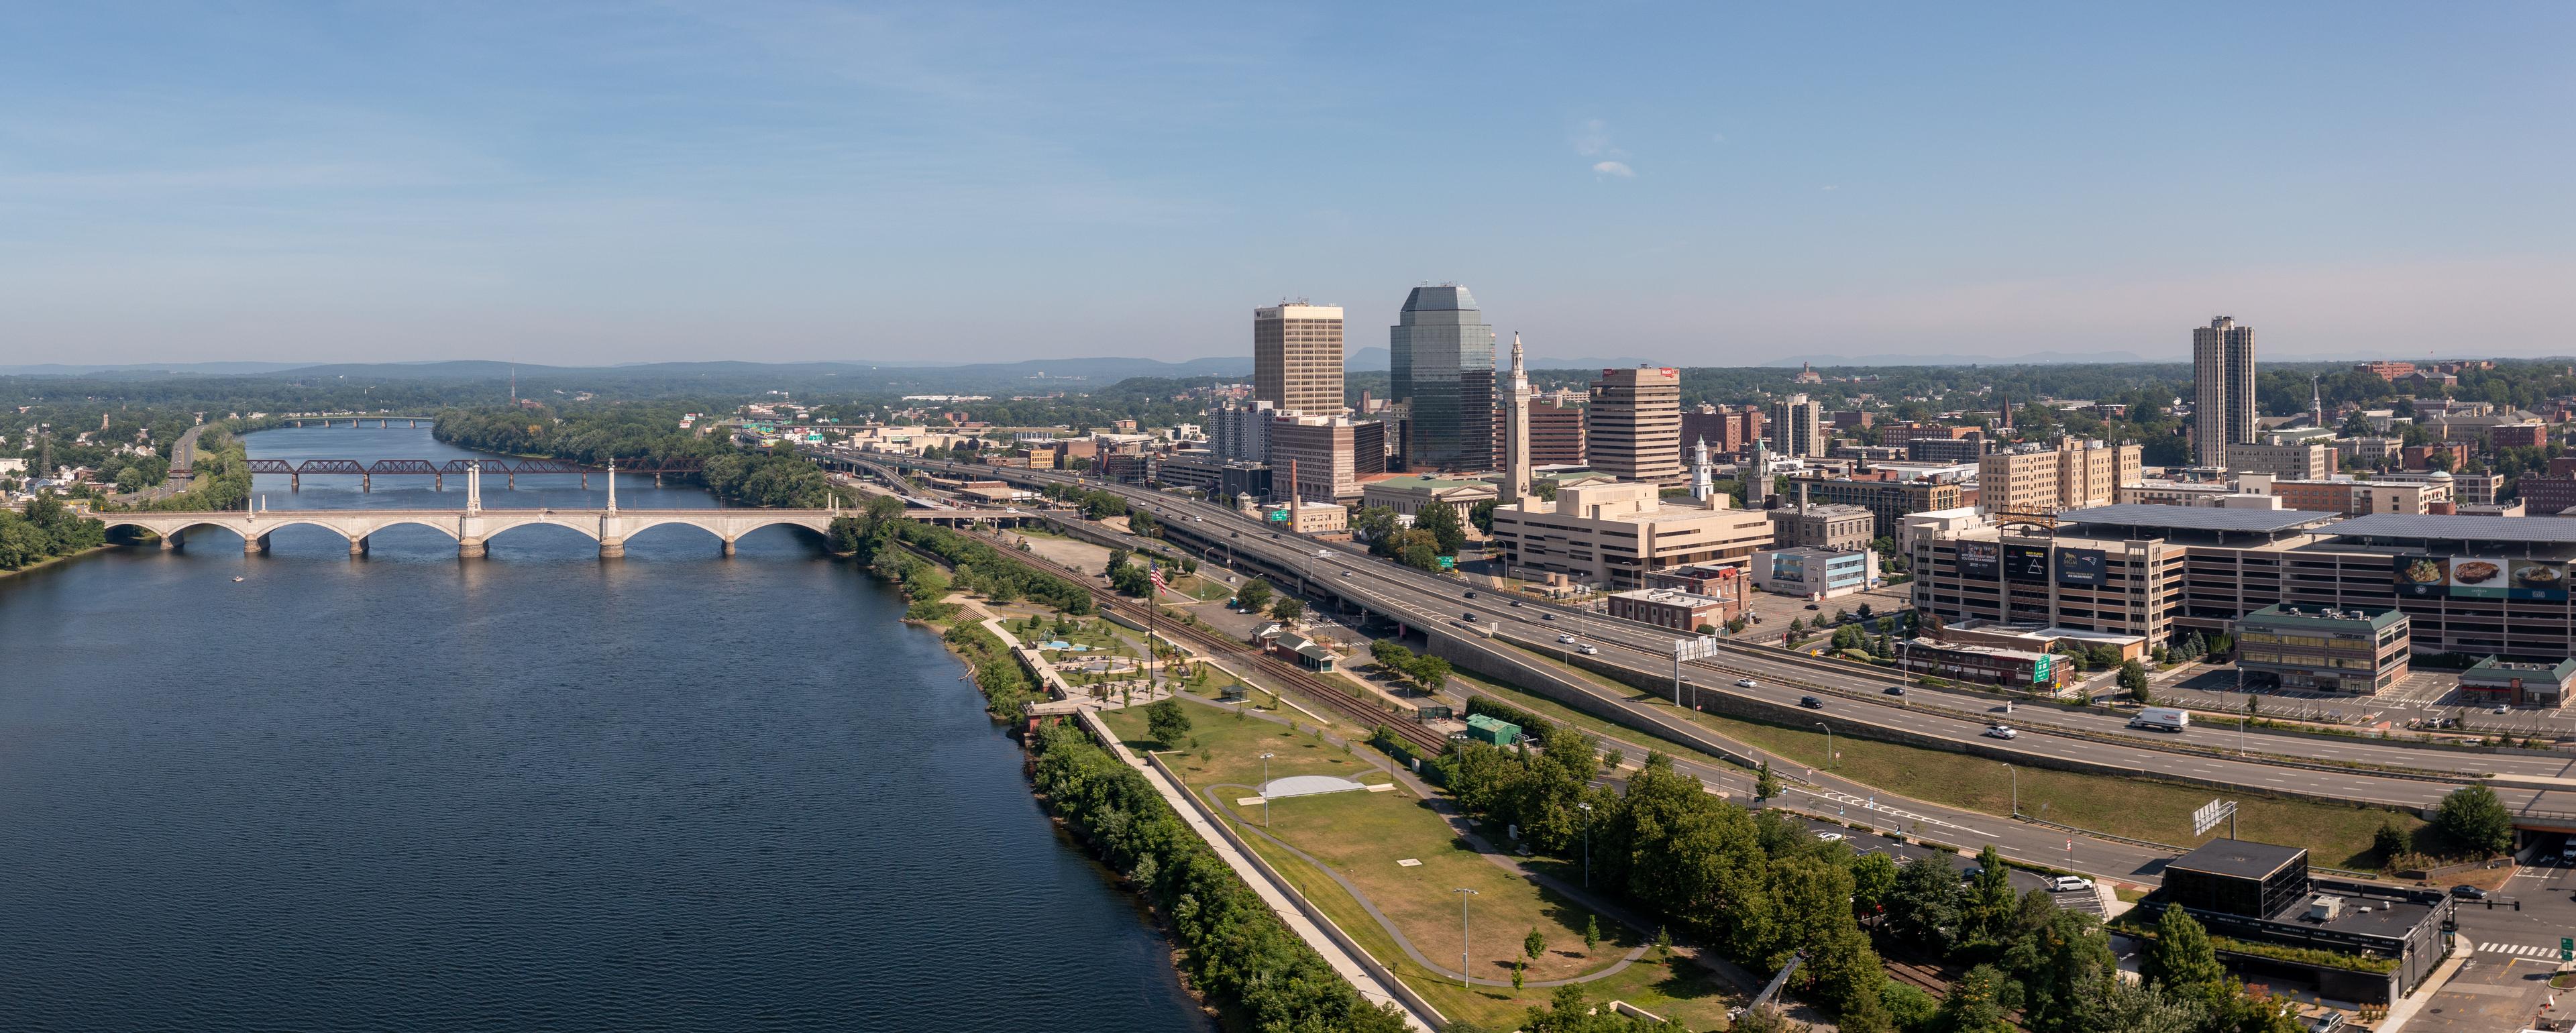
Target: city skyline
[816, 182]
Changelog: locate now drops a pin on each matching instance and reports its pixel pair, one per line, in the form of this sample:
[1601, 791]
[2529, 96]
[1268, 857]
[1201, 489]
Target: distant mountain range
[1377, 360]
[2033, 359]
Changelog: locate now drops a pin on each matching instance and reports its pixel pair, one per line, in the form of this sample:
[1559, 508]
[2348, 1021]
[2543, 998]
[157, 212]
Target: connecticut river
[533, 791]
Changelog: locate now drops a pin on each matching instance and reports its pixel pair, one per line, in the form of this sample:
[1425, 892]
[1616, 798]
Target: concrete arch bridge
[472, 528]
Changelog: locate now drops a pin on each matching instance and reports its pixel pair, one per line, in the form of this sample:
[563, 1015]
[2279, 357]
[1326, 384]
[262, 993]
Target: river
[532, 791]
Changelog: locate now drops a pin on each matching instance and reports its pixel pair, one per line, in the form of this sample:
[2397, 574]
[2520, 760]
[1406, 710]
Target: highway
[1856, 696]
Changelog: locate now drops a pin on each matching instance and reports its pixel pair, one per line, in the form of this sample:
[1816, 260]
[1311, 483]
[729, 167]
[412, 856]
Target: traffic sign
[2567, 948]
[2210, 814]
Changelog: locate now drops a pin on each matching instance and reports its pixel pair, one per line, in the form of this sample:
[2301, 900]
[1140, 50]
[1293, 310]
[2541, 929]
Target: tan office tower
[2222, 388]
[1297, 357]
[1636, 425]
[1798, 427]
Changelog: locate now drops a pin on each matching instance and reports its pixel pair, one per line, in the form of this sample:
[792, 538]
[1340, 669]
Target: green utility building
[1488, 730]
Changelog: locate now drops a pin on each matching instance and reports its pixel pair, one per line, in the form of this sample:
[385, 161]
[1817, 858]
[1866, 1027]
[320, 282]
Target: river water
[532, 791]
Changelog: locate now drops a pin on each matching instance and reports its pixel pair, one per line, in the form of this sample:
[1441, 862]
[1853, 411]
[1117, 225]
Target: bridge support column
[254, 544]
[469, 548]
[728, 547]
[294, 482]
[612, 548]
[358, 545]
[366, 483]
[170, 541]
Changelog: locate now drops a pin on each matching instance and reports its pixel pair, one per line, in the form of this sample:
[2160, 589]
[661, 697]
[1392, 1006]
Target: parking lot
[2421, 696]
[1777, 611]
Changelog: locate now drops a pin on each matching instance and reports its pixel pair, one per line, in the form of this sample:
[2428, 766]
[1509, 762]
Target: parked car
[1811, 606]
[1743, 683]
[2328, 1022]
[1588, 649]
[2000, 732]
[1811, 703]
[2069, 884]
[1830, 837]
[2464, 891]
[1565, 640]
[2501, 709]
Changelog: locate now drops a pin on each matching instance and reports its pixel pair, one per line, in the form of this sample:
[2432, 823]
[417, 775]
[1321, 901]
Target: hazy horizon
[595, 184]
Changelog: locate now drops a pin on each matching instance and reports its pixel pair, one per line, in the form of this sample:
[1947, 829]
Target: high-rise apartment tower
[1297, 357]
[2222, 385]
[1440, 361]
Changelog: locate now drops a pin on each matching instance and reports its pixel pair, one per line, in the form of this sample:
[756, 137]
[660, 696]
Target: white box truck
[2161, 719]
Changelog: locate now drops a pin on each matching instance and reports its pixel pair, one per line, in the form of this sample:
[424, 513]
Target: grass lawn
[1364, 835]
[2336, 835]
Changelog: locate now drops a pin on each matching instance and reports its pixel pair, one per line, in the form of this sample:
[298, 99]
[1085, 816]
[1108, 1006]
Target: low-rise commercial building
[1889, 500]
[1315, 518]
[1814, 573]
[1841, 528]
[1614, 534]
[2289, 462]
[1670, 608]
[1964, 449]
[2025, 669]
[1718, 582]
[1219, 478]
[2264, 894]
[2497, 682]
[1407, 495]
[2323, 649]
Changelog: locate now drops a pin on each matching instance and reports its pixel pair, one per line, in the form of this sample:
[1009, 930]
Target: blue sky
[1704, 184]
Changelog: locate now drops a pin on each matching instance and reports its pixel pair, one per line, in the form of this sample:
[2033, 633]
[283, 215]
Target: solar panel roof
[2194, 518]
[2549, 530]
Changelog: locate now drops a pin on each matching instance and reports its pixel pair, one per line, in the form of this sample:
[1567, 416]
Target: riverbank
[50, 561]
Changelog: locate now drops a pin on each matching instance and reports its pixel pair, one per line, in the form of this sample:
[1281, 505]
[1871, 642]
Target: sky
[1698, 183]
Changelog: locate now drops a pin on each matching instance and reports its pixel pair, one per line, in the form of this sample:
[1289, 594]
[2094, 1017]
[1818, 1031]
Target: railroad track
[1212, 644]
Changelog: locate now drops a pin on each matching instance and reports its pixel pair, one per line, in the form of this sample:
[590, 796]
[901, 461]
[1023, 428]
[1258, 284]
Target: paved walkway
[1343, 963]
[1402, 941]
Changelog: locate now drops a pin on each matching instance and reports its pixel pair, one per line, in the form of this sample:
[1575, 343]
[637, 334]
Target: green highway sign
[2567, 948]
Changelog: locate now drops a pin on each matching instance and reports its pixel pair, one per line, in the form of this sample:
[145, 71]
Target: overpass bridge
[355, 421]
[474, 526]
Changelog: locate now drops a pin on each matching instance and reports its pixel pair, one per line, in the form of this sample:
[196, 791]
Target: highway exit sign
[2567, 948]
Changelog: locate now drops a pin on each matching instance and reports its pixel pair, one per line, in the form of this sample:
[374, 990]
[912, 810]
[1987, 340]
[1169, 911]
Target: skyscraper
[1516, 430]
[2222, 385]
[1440, 361]
[1297, 357]
[1798, 426]
[1636, 424]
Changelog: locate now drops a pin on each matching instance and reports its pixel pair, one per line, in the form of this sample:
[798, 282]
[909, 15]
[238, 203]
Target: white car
[2000, 732]
[1322, 553]
[2501, 709]
[1588, 649]
[1565, 640]
[2069, 884]
[1830, 837]
[1743, 683]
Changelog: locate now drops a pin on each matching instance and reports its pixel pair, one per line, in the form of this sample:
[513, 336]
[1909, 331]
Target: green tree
[1533, 944]
[2181, 960]
[1765, 784]
[1254, 595]
[2473, 820]
[1143, 524]
[1991, 900]
[1482, 515]
[1591, 934]
[1873, 879]
[2133, 677]
[1167, 721]
[1867, 1013]
[1923, 909]
[1441, 520]
[1979, 1002]
[2388, 842]
[1287, 608]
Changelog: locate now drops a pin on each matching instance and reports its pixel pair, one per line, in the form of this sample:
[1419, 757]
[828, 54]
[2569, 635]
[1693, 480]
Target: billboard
[2085, 567]
[1788, 567]
[1977, 560]
[2537, 579]
[2026, 563]
[2420, 577]
[2477, 577]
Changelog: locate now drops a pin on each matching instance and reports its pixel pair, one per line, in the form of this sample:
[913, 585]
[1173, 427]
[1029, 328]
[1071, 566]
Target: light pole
[1265, 789]
[1463, 964]
[1829, 743]
[1587, 844]
[2016, 790]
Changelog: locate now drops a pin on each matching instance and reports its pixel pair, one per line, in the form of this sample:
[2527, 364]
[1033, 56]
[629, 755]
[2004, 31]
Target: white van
[2162, 719]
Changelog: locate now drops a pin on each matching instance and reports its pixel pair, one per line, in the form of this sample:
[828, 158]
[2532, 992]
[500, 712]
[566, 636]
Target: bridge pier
[615, 548]
[366, 483]
[469, 548]
[254, 544]
[585, 480]
[728, 547]
[170, 541]
[357, 545]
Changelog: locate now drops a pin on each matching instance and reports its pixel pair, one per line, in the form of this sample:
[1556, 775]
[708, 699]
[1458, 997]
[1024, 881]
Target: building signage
[2421, 577]
[2086, 567]
[2026, 563]
[1977, 561]
[1788, 567]
[2477, 577]
[2537, 579]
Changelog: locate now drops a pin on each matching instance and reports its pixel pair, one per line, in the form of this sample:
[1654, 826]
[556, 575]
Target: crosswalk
[2519, 950]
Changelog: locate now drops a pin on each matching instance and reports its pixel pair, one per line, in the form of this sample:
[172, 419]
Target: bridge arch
[590, 533]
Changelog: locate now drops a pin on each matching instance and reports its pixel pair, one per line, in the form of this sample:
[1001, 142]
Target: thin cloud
[1615, 168]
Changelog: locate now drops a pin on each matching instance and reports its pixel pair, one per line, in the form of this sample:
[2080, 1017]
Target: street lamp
[1587, 844]
[1829, 743]
[1265, 789]
[1463, 963]
[2016, 790]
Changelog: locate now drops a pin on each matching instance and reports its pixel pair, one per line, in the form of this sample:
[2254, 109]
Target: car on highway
[1471, 595]
[2069, 884]
[1830, 837]
[1516, 602]
[1743, 683]
[2464, 891]
[1470, 615]
[2000, 732]
[1321, 553]
[1565, 640]
[1895, 690]
[1588, 649]
[1547, 616]
[1811, 703]
[1346, 573]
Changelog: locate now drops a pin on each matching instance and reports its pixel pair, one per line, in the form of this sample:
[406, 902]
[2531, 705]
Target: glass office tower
[1442, 361]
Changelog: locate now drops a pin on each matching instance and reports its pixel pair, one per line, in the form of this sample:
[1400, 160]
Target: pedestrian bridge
[474, 526]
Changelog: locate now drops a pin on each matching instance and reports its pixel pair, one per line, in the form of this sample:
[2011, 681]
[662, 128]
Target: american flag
[1157, 570]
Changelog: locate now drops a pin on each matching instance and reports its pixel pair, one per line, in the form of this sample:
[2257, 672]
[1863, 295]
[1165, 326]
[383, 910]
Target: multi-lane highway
[2542, 789]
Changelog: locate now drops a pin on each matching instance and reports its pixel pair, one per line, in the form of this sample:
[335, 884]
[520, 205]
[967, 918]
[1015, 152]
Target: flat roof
[2238, 858]
[2293, 615]
[2195, 518]
[2454, 526]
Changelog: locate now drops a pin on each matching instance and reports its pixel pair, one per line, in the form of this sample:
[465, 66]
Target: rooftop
[2196, 518]
[1431, 483]
[2323, 618]
[2239, 858]
[2458, 528]
[2560, 671]
[1670, 597]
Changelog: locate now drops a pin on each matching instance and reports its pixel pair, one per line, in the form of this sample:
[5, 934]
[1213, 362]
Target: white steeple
[1516, 458]
[1702, 483]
